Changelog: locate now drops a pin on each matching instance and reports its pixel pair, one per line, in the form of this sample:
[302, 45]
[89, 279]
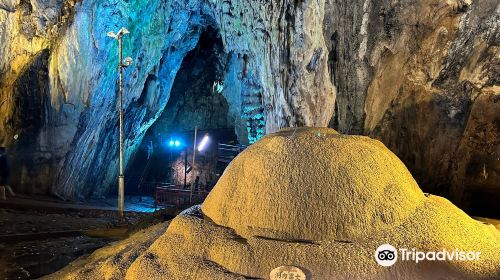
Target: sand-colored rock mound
[313, 199]
[313, 184]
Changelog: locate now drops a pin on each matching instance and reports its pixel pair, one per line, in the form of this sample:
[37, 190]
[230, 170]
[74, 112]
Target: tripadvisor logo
[387, 255]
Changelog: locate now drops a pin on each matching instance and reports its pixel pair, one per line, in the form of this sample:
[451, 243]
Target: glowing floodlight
[112, 35]
[175, 143]
[127, 61]
[203, 143]
[123, 31]
[120, 33]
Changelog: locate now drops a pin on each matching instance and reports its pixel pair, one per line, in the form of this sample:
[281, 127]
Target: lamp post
[200, 148]
[194, 158]
[121, 64]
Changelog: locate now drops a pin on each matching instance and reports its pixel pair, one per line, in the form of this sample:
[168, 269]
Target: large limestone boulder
[313, 199]
[316, 185]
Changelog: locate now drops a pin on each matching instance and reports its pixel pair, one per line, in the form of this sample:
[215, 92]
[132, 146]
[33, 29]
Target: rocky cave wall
[83, 80]
[282, 54]
[79, 138]
[422, 76]
[193, 101]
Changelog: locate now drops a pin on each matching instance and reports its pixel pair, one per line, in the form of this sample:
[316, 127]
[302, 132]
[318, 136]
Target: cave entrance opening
[31, 154]
[196, 101]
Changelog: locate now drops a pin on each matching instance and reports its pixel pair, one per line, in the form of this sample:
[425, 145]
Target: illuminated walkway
[34, 202]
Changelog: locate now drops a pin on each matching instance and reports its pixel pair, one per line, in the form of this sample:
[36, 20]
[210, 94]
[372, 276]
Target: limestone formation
[306, 184]
[76, 95]
[76, 135]
[413, 74]
[314, 199]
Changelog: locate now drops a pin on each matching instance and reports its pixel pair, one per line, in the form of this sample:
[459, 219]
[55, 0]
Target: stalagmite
[315, 199]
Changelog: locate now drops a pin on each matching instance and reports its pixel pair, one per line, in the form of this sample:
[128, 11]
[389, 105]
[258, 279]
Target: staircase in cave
[253, 112]
[226, 152]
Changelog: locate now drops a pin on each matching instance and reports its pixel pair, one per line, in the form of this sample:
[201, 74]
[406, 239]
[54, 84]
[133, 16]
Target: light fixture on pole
[194, 158]
[121, 64]
[203, 143]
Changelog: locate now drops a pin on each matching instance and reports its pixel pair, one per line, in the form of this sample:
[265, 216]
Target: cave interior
[229, 105]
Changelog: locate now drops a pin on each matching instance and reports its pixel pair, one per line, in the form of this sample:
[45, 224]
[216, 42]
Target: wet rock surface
[33, 259]
[34, 243]
[26, 256]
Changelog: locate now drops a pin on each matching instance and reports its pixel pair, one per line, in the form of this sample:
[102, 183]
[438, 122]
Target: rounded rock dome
[313, 184]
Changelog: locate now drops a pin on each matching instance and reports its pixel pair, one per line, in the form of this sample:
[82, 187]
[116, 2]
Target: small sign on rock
[287, 272]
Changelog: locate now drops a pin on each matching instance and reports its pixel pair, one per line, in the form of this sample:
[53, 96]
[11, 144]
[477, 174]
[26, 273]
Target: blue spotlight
[171, 143]
[177, 143]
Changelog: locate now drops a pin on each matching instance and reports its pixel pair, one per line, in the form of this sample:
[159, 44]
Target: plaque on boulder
[287, 272]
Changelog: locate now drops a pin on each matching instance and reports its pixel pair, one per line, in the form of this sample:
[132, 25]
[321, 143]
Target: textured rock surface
[341, 239]
[266, 190]
[284, 73]
[193, 101]
[414, 74]
[160, 38]
[80, 109]
[410, 73]
[112, 262]
[436, 95]
[26, 31]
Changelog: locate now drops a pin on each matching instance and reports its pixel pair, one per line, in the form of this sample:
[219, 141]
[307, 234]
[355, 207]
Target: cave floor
[24, 202]
[39, 235]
